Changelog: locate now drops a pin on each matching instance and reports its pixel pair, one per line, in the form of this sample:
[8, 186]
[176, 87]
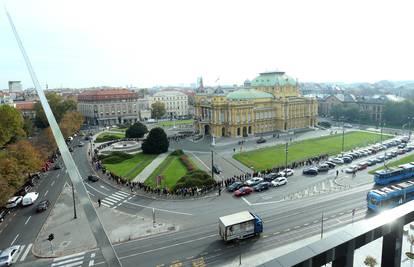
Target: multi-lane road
[288, 216]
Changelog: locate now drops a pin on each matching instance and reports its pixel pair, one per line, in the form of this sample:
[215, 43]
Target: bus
[392, 175]
[390, 196]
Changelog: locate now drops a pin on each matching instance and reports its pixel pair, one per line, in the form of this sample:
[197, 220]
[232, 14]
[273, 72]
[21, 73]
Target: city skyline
[162, 43]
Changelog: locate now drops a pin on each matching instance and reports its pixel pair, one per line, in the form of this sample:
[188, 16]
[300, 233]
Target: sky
[85, 43]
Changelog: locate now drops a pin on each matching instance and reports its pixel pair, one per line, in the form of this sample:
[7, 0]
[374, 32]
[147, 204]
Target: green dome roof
[244, 94]
[277, 78]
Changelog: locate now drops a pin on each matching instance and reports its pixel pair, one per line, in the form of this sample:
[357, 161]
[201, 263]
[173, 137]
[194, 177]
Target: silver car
[6, 256]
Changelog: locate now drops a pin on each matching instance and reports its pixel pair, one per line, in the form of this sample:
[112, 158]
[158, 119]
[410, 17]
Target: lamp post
[343, 135]
[286, 157]
[382, 124]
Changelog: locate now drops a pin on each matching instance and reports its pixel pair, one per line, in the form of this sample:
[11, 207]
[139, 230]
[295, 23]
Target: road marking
[69, 256]
[121, 193]
[16, 256]
[52, 183]
[14, 240]
[266, 203]
[58, 175]
[168, 211]
[112, 197]
[108, 202]
[103, 187]
[169, 246]
[315, 221]
[106, 205]
[189, 258]
[91, 194]
[71, 264]
[27, 220]
[245, 200]
[297, 227]
[26, 252]
[306, 224]
[287, 230]
[47, 191]
[276, 233]
[92, 261]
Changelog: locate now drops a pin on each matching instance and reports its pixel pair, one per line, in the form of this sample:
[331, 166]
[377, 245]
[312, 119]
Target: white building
[176, 103]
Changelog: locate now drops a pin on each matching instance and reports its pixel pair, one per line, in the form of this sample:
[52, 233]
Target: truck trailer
[240, 225]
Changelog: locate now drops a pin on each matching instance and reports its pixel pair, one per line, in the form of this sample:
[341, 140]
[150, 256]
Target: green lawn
[178, 122]
[171, 169]
[104, 137]
[130, 168]
[269, 157]
[404, 160]
[121, 130]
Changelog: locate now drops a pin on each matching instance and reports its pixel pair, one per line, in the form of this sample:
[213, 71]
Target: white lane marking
[245, 200]
[202, 162]
[169, 246]
[58, 175]
[78, 263]
[69, 256]
[103, 187]
[26, 252]
[14, 240]
[266, 203]
[169, 211]
[114, 198]
[106, 205]
[91, 194]
[47, 191]
[109, 201]
[92, 261]
[52, 183]
[16, 256]
[122, 193]
[100, 192]
[27, 220]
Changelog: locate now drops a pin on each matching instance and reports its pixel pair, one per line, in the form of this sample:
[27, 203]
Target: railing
[338, 249]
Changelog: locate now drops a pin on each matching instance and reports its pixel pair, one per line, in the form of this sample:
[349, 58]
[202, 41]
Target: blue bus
[391, 175]
[390, 196]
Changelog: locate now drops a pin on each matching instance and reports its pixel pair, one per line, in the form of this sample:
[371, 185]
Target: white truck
[240, 225]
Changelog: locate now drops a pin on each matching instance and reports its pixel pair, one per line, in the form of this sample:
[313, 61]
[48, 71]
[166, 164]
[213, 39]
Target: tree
[156, 142]
[11, 124]
[70, 123]
[28, 158]
[136, 130]
[10, 178]
[157, 110]
[370, 261]
[59, 107]
[28, 127]
[45, 143]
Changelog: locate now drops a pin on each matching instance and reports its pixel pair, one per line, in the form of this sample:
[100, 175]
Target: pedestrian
[337, 173]
[99, 202]
[234, 150]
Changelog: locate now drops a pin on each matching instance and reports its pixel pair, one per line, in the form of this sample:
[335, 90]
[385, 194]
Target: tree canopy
[156, 142]
[11, 124]
[59, 107]
[136, 130]
[158, 110]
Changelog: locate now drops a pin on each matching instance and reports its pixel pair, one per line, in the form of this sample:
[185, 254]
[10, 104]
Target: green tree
[11, 124]
[70, 123]
[156, 142]
[28, 127]
[11, 178]
[157, 110]
[59, 107]
[28, 158]
[136, 130]
[370, 261]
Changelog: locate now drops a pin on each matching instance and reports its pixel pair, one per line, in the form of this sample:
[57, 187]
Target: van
[29, 198]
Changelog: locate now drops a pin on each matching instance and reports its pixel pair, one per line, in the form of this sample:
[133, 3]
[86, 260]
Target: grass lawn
[177, 122]
[121, 130]
[104, 137]
[269, 157]
[403, 160]
[130, 168]
[171, 169]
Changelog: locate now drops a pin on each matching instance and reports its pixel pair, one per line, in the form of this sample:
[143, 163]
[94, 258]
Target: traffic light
[51, 237]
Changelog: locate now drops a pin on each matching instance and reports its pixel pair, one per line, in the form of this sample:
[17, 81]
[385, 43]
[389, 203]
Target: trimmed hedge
[106, 138]
[177, 152]
[197, 178]
[116, 157]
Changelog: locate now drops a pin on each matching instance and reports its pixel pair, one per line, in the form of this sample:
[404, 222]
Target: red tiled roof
[25, 105]
[107, 94]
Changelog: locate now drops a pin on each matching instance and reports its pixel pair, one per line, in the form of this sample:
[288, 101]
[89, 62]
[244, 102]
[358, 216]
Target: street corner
[61, 234]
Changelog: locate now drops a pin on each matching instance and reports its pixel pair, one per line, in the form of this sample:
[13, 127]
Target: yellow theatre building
[269, 103]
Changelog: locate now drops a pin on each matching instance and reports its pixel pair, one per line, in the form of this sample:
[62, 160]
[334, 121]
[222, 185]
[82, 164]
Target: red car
[245, 190]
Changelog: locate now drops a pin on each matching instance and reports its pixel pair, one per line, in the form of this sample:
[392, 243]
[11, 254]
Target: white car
[254, 181]
[279, 181]
[14, 202]
[6, 256]
[351, 169]
[29, 198]
[286, 173]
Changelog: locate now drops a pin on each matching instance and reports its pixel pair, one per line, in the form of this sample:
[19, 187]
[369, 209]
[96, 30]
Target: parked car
[3, 214]
[347, 159]
[330, 164]
[362, 165]
[24, 190]
[14, 202]
[245, 190]
[261, 186]
[217, 169]
[279, 181]
[371, 162]
[234, 186]
[380, 159]
[254, 181]
[323, 167]
[43, 205]
[261, 140]
[286, 173]
[30, 198]
[81, 144]
[310, 171]
[347, 125]
[6, 256]
[337, 160]
[57, 167]
[271, 176]
[93, 178]
[351, 169]
[70, 149]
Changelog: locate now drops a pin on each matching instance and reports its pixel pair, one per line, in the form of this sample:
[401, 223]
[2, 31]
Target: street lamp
[382, 124]
[343, 135]
[286, 158]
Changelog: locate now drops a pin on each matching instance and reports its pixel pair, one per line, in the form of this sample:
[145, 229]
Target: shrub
[156, 142]
[137, 130]
[177, 152]
[197, 178]
[106, 138]
[116, 157]
[187, 163]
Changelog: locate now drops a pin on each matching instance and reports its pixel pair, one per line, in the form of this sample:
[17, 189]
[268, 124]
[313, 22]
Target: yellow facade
[264, 108]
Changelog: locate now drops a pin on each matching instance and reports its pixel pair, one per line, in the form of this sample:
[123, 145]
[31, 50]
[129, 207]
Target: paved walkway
[146, 172]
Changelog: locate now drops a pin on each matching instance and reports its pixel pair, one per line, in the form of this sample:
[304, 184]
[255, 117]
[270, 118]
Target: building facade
[270, 103]
[176, 103]
[109, 106]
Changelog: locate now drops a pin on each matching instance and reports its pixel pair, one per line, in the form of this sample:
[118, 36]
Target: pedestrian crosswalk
[74, 260]
[21, 255]
[326, 186]
[116, 199]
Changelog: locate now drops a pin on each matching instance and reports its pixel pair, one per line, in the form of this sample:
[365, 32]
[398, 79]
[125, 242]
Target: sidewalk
[146, 172]
[74, 235]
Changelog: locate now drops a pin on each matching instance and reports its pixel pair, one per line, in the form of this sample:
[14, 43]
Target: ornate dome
[244, 94]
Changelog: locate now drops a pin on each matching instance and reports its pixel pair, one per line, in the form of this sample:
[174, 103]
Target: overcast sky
[82, 43]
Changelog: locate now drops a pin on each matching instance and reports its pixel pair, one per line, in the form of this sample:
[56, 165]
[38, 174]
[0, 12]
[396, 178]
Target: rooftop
[275, 78]
[107, 94]
[244, 94]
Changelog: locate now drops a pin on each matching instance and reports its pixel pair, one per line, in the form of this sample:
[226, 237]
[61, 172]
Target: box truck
[240, 225]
